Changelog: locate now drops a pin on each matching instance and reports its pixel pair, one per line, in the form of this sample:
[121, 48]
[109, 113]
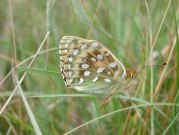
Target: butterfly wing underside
[86, 65]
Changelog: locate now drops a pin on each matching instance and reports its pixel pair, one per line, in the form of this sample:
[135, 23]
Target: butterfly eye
[86, 65]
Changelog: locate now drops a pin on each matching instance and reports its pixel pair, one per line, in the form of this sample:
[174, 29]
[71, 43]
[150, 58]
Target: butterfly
[88, 66]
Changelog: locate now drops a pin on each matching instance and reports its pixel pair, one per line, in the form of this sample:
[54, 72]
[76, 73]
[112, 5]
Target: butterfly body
[86, 65]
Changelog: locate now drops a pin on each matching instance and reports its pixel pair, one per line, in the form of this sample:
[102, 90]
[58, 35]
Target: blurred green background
[138, 32]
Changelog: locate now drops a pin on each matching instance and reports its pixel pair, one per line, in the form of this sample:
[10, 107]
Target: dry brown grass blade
[153, 95]
[160, 82]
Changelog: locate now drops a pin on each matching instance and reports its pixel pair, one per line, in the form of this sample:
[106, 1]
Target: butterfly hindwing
[87, 65]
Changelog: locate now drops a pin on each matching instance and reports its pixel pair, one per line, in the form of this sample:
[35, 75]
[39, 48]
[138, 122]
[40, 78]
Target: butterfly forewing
[87, 65]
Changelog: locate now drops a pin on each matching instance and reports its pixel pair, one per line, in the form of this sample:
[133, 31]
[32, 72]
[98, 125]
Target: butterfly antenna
[163, 64]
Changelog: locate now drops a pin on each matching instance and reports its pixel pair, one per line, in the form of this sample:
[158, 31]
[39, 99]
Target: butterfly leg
[129, 88]
[107, 99]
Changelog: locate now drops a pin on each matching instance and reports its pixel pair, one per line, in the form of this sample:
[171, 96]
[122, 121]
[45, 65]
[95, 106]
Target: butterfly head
[131, 73]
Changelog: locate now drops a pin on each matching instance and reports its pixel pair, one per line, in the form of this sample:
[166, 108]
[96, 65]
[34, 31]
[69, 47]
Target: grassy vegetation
[33, 97]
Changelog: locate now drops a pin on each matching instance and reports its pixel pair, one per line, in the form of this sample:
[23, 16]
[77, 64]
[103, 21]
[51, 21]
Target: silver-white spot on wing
[107, 80]
[113, 64]
[70, 59]
[94, 44]
[69, 73]
[65, 51]
[69, 66]
[84, 60]
[93, 59]
[84, 66]
[107, 54]
[67, 43]
[84, 46]
[87, 73]
[100, 70]
[109, 73]
[81, 81]
[100, 56]
[95, 79]
[75, 52]
[116, 74]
